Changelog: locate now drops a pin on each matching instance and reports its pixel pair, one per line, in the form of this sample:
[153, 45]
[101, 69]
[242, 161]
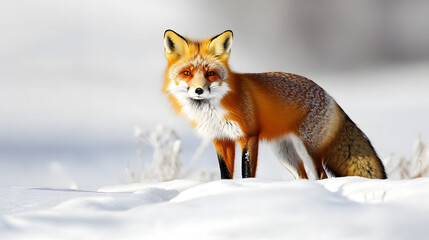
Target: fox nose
[199, 91]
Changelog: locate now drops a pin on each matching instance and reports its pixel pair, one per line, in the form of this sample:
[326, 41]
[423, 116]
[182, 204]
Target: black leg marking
[224, 173]
[245, 164]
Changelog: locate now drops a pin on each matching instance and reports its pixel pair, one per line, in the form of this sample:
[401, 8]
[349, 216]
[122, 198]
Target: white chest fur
[208, 114]
[210, 120]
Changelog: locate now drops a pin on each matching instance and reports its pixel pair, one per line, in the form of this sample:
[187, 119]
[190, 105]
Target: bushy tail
[351, 153]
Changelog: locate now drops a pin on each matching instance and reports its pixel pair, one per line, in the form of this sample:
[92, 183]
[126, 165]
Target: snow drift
[336, 208]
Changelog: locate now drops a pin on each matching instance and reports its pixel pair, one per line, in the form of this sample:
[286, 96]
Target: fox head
[197, 70]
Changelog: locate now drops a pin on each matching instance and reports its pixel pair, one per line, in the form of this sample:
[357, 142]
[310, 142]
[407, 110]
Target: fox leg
[286, 152]
[249, 158]
[225, 150]
[311, 154]
[318, 164]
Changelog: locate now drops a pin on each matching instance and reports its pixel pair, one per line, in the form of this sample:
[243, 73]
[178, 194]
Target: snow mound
[336, 208]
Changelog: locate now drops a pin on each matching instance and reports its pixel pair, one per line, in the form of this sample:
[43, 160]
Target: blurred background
[77, 77]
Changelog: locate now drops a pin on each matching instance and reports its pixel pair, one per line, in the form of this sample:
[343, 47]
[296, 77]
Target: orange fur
[287, 109]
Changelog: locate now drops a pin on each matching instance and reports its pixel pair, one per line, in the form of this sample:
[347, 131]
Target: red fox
[308, 131]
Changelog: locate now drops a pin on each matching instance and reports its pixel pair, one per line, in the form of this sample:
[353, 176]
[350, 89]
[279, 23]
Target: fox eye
[186, 73]
[211, 73]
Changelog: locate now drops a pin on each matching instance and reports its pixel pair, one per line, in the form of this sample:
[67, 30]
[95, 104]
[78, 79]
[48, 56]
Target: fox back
[307, 129]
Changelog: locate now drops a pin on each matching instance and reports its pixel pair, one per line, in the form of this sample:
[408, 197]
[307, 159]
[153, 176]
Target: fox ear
[175, 45]
[221, 44]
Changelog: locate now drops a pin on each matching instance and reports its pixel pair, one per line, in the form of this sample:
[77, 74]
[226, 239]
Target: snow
[336, 208]
[78, 76]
